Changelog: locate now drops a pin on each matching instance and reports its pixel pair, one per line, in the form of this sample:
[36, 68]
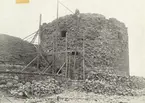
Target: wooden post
[54, 40]
[61, 68]
[83, 58]
[38, 57]
[69, 57]
[66, 58]
[57, 8]
[74, 62]
[53, 54]
[53, 65]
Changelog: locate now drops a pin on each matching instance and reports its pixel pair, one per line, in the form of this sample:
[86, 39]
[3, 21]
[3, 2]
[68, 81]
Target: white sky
[23, 19]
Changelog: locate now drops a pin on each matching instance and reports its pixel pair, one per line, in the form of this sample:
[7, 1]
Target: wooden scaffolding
[37, 35]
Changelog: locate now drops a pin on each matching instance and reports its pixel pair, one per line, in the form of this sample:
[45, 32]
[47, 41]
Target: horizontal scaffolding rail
[29, 73]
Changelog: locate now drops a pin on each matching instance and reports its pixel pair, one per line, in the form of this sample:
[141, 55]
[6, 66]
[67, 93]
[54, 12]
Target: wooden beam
[74, 61]
[69, 66]
[29, 64]
[28, 73]
[61, 68]
[66, 7]
[84, 71]
[66, 57]
[46, 68]
[39, 33]
[53, 54]
[30, 35]
[34, 38]
[69, 51]
[57, 13]
[89, 62]
[43, 58]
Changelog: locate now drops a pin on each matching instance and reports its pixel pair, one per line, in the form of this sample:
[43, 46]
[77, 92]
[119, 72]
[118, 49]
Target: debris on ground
[40, 88]
[101, 83]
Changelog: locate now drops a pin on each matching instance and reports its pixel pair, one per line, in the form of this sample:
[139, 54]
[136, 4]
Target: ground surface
[77, 97]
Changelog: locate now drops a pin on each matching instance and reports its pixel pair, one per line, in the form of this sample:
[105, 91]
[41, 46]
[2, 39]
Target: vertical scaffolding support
[57, 8]
[38, 51]
[83, 58]
[74, 61]
[57, 26]
[69, 66]
[53, 54]
[66, 57]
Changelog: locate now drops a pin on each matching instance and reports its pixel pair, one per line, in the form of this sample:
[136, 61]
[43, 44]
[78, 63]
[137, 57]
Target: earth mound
[16, 51]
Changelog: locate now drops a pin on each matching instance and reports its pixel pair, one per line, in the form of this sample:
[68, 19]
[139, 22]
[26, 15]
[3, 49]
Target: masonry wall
[106, 41]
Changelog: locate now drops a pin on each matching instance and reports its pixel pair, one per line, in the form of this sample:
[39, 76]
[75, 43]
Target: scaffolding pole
[28, 73]
[29, 63]
[66, 58]
[74, 62]
[84, 71]
[57, 8]
[38, 54]
[53, 50]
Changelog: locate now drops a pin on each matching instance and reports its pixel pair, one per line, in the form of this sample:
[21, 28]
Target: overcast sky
[23, 19]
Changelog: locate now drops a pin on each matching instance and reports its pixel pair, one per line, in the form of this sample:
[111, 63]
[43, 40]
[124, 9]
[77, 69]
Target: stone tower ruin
[102, 44]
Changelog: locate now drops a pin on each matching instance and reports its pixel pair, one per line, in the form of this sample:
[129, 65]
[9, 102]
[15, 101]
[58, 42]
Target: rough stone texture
[106, 41]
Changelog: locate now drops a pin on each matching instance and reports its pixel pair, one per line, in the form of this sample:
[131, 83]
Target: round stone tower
[104, 43]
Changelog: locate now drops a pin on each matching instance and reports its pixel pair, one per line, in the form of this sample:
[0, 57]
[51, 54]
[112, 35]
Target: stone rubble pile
[98, 83]
[8, 81]
[113, 84]
[40, 88]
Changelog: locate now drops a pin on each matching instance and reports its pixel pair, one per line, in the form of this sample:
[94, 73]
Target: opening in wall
[63, 33]
[75, 53]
